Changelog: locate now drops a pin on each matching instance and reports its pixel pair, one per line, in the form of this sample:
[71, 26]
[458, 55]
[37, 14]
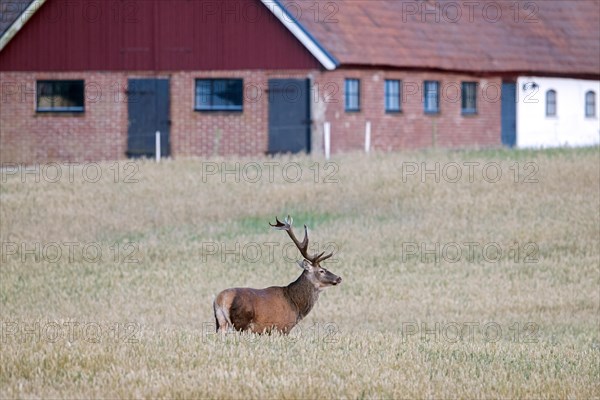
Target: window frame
[389, 96]
[590, 105]
[437, 97]
[464, 96]
[56, 93]
[554, 113]
[218, 108]
[348, 93]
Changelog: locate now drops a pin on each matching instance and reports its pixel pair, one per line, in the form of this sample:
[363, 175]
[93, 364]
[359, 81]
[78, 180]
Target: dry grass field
[480, 281]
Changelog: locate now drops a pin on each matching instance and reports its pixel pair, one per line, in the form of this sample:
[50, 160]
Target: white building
[554, 112]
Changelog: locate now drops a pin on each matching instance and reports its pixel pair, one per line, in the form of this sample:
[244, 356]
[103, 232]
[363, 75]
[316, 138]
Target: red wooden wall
[154, 35]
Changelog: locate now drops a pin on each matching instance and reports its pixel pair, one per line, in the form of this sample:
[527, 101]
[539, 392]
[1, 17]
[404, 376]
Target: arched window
[551, 103]
[590, 104]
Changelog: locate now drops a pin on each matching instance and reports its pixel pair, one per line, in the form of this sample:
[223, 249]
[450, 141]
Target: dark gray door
[148, 108]
[509, 114]
[289, 116]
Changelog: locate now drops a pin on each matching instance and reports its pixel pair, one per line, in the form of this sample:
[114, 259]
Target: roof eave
[20, 22]
[308, 41]
[585, 74]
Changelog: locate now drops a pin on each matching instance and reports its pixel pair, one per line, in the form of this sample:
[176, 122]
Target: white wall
[569, 127]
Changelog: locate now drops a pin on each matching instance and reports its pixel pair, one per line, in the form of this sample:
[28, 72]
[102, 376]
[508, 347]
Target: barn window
[60, 96]
[352, 98]
[469, 98]
[392, 96]
[432, 97]
[551, 103]
[219, 94]
[590, 104]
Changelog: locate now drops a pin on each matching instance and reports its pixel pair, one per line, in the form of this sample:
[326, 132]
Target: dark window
[60, 96]
[551, 103]
[590, 104]
[432, 97]
[469, 97]
[352, 95]
[392, 95]
[219, 94]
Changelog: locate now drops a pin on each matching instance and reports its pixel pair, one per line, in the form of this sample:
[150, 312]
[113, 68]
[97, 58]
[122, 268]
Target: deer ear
[304, 265]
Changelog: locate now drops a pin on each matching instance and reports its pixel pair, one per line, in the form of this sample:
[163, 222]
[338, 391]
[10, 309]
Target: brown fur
[277, 308]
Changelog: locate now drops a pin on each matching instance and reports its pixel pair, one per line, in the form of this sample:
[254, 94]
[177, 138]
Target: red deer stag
[276, 308]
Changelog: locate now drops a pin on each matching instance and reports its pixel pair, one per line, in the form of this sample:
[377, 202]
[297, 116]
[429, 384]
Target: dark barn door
[509, 114]
[148, 107]
[289, 116]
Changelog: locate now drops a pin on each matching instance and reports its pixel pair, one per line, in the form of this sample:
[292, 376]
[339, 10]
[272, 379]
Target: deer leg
[221, 309]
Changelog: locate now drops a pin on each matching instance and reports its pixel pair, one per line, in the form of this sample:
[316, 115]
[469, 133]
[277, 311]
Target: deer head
[319, 276]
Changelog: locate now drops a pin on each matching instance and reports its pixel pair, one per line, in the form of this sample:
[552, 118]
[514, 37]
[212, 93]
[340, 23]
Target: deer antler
[302, 246]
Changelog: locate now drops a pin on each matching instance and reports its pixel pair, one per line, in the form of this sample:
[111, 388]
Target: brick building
[88, 80]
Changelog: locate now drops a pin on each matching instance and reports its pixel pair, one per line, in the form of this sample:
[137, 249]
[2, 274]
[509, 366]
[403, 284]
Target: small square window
[352, 98]
[393, 96]
[469, 98]
[219, 95]
[431, 101]
[60, 96]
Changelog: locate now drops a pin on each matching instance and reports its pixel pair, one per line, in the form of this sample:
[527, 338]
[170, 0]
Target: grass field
[482, 284]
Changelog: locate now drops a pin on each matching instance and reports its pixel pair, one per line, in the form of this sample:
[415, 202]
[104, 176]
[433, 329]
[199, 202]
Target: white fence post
[157, 148]
[367, 136]
[327, 139]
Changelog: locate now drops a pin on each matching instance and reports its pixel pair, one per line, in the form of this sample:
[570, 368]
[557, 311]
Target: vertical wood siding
[154, 35]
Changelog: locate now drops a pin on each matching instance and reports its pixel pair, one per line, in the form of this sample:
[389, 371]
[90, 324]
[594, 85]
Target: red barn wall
[154, 35]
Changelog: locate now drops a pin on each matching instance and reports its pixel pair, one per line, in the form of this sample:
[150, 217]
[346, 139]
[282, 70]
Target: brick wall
[100, 133]
[196, 133]
[411, 128]
[97, 134]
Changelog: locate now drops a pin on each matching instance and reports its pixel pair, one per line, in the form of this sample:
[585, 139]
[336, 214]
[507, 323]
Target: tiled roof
[548, 36]
[560, 37]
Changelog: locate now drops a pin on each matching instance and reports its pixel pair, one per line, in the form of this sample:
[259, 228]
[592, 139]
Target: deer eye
[322, 271]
